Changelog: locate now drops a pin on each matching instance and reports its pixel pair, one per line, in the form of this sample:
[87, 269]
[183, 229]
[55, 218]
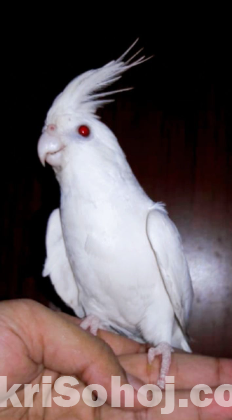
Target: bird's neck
[99, 181]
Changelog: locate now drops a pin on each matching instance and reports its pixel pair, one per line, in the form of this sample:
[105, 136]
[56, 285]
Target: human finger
[119, 344]
[60, 346]
[187, 369]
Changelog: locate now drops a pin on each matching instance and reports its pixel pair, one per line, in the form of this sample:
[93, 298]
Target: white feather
[57, 265]
[82, 95]
[118, 253]
[167, 245]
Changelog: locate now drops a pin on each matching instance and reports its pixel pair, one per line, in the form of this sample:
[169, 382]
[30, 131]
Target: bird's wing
[167, 246]
[57, 265]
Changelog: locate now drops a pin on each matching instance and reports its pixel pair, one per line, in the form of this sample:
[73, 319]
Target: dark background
[175, 128]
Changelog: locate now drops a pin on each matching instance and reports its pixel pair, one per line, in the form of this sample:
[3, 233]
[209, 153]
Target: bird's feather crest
[83, 94]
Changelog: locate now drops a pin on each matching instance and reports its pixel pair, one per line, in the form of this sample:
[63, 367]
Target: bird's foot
[92, 322]
[165, 350]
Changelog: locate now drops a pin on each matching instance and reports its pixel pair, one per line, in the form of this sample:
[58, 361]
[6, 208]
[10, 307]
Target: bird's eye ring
[83, 130]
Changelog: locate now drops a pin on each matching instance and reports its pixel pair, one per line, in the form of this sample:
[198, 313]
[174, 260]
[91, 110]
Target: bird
[113, 254]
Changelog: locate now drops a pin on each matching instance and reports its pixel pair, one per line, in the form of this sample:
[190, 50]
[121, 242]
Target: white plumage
[112, 253]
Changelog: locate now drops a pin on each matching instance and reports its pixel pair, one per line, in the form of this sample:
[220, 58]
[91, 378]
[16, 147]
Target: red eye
[84, 130]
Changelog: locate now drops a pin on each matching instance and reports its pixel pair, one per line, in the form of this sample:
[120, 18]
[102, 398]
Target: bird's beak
[50, 147]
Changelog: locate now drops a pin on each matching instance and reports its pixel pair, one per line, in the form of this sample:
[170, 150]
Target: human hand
[36, 342]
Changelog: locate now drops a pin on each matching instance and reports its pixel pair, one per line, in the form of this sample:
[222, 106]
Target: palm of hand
[36, 342]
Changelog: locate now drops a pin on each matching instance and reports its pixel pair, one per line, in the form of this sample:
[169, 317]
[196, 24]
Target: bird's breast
[111, 258]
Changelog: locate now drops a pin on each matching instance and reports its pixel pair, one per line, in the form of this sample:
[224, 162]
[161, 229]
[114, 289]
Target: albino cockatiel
[113, 255]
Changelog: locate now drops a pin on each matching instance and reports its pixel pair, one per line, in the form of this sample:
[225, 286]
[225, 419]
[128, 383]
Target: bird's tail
[179, 340]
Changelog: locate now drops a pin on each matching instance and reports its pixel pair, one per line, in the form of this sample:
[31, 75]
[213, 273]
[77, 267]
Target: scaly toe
[165, 350]
[92, 322]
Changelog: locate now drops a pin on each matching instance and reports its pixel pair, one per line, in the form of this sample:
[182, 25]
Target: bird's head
[71, 126]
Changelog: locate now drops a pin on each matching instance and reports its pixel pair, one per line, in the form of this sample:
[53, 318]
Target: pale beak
[50, 146]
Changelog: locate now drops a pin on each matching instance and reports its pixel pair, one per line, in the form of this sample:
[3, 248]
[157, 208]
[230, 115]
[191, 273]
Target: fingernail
[145, 393]
[135, 382]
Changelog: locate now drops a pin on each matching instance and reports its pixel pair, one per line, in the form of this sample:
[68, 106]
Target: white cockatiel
[113, 255]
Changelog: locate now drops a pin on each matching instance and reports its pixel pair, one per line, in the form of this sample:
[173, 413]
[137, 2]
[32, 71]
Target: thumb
[53, 342]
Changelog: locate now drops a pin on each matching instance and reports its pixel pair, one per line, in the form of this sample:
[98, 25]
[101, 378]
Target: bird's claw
[92, 322]
[165, 350]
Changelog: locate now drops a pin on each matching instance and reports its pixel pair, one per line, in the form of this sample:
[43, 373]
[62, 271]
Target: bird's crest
[83, 94]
